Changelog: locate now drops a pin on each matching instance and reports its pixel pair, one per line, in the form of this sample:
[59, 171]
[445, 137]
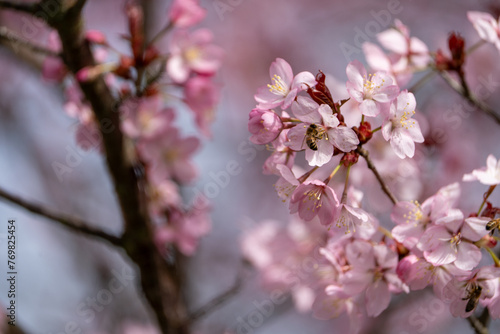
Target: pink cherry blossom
[418, 274]
[168, 155]
[489, 175]
[372, 91]
[184, 229]
[378, 60]
[264, 125]
[452, 241]
[413, 218]
[330, 133]
[373, 268]
[193, 52]
[186, 13]
[399, 128]
[287, 183]
[314, 198]
[486, 26]
[354, 221]
[201, 94]
[284, 86]
[145, 117]
[412, 50]
[459, 291]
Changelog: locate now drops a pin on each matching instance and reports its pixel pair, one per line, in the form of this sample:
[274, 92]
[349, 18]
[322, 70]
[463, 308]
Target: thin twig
[465, 92]
[75, 224]
[217, 301]
[369, 162]
[30, 8]
[11, 37]
[478, 326]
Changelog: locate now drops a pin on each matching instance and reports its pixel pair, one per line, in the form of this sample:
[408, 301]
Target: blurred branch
[369, 162]
[217, 301]
[9, 36]
[463, 89]
[74, 224]
[159, 280]
[477, 325]
[30, 8]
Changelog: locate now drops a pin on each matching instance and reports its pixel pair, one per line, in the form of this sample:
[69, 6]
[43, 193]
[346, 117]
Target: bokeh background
[59, 271]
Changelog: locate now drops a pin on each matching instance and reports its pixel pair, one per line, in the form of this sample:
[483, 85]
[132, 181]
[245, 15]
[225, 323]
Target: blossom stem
[376, 129]
[289, 119]
[421, 82]
[385, 231]
[475, 46]
[364, 153]
[344, 193]
[307, 174]
[332, 174]
[362, 118]
[160, 34]
[486, 195]
[466, 94]
[493, 256]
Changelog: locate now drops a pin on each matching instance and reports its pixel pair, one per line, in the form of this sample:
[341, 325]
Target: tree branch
[217, 301]
[74, 224]
[11, 37]
[30, 8]
[464, 91]
[369, 162]
[477, 325]
[159, 280]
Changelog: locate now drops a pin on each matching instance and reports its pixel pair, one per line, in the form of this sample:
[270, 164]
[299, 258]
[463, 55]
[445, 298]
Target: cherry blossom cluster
[334, 256]
[148, 83]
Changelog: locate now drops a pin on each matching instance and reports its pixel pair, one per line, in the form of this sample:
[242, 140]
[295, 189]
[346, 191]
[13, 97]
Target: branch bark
[74, 224]
[464, 91]
[369, 162]
[159, 281]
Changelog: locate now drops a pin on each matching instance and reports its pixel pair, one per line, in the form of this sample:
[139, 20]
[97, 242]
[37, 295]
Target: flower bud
[264, 125]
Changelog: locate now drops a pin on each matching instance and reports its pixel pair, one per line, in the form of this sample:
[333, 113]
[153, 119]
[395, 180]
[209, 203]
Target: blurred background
[62, 274]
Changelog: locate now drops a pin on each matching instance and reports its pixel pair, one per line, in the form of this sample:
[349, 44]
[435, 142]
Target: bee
[493, 224]
[314, 133]
[473, 294]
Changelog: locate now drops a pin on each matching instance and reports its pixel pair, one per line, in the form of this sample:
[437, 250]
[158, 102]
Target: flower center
[279, 87]
[405, 120]
[192, 54]
[455, 240]
[370, 86]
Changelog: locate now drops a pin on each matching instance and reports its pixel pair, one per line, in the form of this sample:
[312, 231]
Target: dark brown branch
[30, 8]
[369, 162]
[217, 301]
[11, 37]
[74, 224]
[158, 280]
[478, 326]
[464, 91]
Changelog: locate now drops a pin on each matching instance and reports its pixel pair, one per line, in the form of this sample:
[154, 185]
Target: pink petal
[468, 256]
[377, 298]
[344, 138]
[281, 68]
[356, 73]
[322, 155]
